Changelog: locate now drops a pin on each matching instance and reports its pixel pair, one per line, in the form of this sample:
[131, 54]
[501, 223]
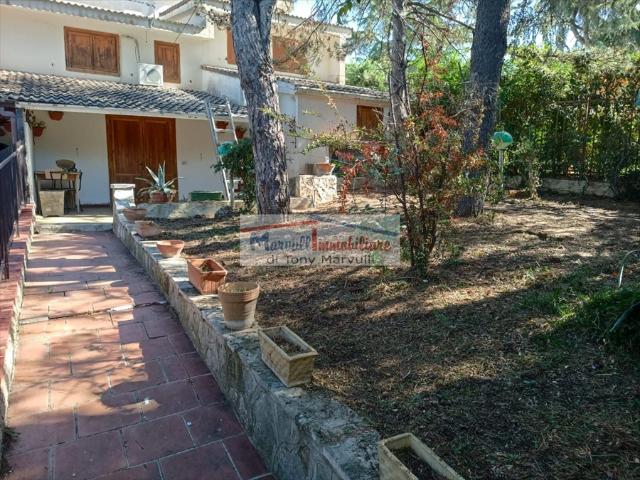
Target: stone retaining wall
[301, 434]
[11, 290]
[566, 186]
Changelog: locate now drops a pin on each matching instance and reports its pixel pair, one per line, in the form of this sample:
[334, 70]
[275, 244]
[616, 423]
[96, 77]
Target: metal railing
[14, 193]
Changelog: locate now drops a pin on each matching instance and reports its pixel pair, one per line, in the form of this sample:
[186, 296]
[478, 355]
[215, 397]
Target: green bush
[237, 159]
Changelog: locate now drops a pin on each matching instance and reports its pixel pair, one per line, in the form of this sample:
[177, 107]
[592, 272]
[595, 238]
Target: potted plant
[240, 131]
[37, 126]
[221, 125]
[170, 248]
[287, 355]
[206, 275]
[53, 115]
[405, 457]
[146, 228]
[159, 189]
[239, 301]
[320, 169]
[134, 213]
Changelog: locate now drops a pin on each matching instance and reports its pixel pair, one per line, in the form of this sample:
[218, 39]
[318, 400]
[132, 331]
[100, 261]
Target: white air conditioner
[150, 74]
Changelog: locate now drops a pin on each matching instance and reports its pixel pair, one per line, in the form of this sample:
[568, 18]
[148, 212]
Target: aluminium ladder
[226, 179]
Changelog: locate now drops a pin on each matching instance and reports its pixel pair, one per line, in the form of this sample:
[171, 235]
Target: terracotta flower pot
[146, 228]
[206, 275]
[38, 131]
[160, 197]
[56, 115]
[322, 168]
[239, 300]
[240, 132]
[133, 214]
[221, 125]
[170, 248]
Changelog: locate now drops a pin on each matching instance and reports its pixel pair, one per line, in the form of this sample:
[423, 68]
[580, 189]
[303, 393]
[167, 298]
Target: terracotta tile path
[107, 385]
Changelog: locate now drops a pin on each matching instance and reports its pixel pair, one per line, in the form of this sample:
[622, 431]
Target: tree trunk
[251, 29]
[487, 56]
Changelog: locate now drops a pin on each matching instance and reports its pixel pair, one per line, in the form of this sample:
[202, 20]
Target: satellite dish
[502, 140]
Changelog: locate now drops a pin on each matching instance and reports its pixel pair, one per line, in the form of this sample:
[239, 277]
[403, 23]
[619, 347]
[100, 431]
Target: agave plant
[158, 182]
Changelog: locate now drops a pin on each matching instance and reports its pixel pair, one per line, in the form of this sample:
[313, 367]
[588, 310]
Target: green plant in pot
[160, 188]
[237, 159]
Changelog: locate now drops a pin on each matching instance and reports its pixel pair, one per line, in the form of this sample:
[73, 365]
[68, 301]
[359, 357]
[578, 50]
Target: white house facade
[86, 72]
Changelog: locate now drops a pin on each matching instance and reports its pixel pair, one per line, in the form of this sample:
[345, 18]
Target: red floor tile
[211, 423]
[181, 343]
[32, 465]
[156, 439]
[194, 364]
[89, 457]
[42, 429]
[210, 462]
[167, 398]
[245, 457]
[207, 389]
[108, 413]
[148, 471]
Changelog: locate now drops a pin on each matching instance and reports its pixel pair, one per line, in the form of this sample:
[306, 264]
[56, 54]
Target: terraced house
[83, 80]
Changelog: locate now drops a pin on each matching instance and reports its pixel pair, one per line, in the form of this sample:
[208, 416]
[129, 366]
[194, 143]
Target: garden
[498, 358]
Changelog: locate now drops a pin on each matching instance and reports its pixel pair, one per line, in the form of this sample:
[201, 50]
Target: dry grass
[488, 359]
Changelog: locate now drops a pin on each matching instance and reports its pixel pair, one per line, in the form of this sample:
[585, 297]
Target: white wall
[81, 137]
[195, 157]
[33, 41]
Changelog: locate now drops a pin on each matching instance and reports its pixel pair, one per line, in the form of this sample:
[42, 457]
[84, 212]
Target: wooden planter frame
[391, 468]
[292, 370]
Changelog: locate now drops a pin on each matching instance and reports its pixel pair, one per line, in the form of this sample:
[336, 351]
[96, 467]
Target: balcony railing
[14, 193]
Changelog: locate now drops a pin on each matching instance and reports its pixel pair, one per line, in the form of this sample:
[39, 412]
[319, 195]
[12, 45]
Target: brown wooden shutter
[168, 55]
[78, 49]
[231, 53]
[91, 52]
[284, 57]
[106, 57]
[369, 118]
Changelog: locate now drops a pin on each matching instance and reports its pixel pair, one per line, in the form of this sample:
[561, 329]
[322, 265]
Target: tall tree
[487, 56]
[251, 29]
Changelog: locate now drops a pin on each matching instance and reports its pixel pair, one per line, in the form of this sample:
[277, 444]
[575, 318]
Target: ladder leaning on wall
[227, 180]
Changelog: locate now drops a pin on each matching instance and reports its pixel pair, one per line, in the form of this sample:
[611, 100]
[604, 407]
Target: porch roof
[32, 89]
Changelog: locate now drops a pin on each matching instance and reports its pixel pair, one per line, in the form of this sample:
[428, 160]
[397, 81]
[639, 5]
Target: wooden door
[136, 142]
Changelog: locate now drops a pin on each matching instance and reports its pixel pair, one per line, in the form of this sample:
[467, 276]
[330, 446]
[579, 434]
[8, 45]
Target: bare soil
[416, 465]
[482, 359]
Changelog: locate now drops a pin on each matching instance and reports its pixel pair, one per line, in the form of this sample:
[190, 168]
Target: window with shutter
[168, 55]
[285, 56]
[91, 52]
[231, 53]
[369, 118]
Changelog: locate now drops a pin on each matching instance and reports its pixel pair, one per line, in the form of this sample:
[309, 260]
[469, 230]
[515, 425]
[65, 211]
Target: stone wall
[323, 188]
[11, 290]
[301, 434]
[581, 187]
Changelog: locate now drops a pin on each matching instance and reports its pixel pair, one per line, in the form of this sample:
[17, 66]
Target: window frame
[284, 65]
[160, 43]
[374, 108]
[92, 33]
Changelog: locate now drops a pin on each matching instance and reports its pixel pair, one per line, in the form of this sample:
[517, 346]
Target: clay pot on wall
[206, 275]
[38, 131]
[133, 214]
[170, 248]
[239, 300]
[160, 197]
[220, 125]
[146, 228]
[240, 132]
[56, 115]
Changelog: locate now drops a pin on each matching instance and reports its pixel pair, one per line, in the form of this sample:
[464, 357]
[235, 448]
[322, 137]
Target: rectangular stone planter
[391, 468]
[52, 203]
[292, 370]
[206, 282]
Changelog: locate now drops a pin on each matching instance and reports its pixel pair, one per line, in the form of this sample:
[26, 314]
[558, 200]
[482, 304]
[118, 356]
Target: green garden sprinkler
[501, 141]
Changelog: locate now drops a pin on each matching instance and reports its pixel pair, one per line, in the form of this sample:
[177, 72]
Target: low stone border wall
[11, 291]
[301, 434]
[566, 186]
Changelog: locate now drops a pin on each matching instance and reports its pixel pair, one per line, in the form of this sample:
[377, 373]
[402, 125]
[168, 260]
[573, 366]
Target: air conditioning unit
[150, 74]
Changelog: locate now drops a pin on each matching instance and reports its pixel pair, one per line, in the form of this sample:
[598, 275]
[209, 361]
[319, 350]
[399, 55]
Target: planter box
[147, 228]
[391, 468]
[52, 203]
[133, 214]
[199, 196]
[206, 282]
[292, 370]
